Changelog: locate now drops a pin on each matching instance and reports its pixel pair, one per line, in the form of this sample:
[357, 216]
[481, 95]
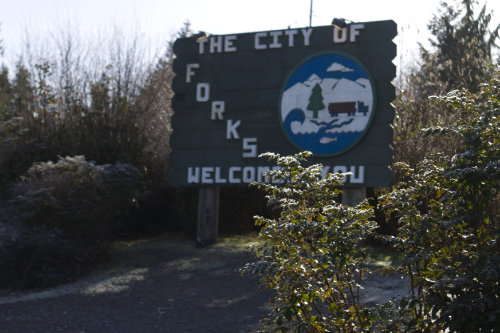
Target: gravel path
[167, 286]
[162, 286]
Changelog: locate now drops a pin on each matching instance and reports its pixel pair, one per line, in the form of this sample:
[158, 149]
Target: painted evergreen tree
[316, 100]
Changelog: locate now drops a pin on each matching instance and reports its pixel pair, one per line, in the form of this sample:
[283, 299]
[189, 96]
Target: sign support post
[352, 196]
[208, 216]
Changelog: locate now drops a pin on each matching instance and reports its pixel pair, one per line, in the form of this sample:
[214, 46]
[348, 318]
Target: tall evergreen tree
[4, 91]
[4, 83]
[463, 43]
[316, 100]
[22, 93]
[1, 43]
[461, 52]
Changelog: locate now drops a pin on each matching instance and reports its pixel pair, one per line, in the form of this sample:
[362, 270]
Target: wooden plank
[248, 61]
[373, 32]
[376, 155]
[375, 176]
[268, 137]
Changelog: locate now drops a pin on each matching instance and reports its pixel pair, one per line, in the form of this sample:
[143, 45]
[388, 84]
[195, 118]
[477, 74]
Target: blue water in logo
[310, 142]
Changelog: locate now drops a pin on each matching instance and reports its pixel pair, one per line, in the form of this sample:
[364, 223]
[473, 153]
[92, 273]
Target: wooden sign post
[323, 89]
[208, 216]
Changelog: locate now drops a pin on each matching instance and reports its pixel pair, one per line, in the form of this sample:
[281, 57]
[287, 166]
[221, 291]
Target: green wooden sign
[323, 89]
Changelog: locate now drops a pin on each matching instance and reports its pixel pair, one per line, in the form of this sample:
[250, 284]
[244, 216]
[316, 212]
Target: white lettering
[260, 173]
[324, 171]
[202, 92]
[216, 44]
[355, 31]
[218, 178]
[275, 44]
[248, 174]
[339, 35]
[190, 72]
[291, 37]
[340, 169]
[193, 175]
[249, 147]
[361, 174]
[231, 127]
[307, 36]
[232, 177]
[201, 43]
[218, 108]
[228, 43]
[258, 45]
[206, 177]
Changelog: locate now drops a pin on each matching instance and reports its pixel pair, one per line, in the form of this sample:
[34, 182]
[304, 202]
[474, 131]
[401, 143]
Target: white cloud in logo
[336, 67]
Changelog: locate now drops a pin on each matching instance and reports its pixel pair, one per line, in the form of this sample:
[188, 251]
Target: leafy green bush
[448, 209]
[449, 227]
[63, 213]
[313, 253]
[66, 98]
[77, 197]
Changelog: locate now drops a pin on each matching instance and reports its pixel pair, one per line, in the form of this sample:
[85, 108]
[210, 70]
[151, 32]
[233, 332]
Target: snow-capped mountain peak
[313, 79]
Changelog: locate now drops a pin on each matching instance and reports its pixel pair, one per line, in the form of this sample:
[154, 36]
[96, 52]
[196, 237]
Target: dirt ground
[162, 285]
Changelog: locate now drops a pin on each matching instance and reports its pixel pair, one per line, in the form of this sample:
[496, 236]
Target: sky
[159, 20]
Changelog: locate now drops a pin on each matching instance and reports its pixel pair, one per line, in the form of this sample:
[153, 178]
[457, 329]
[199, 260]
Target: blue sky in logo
[319, 65]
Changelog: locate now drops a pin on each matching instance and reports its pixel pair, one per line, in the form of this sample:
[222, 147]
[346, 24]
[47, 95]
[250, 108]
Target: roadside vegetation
[84, 144]
[84, 147]
[448, 214]
[442, 215]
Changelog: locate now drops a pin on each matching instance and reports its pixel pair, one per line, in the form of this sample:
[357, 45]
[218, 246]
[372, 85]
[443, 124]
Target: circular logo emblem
[327, 104]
